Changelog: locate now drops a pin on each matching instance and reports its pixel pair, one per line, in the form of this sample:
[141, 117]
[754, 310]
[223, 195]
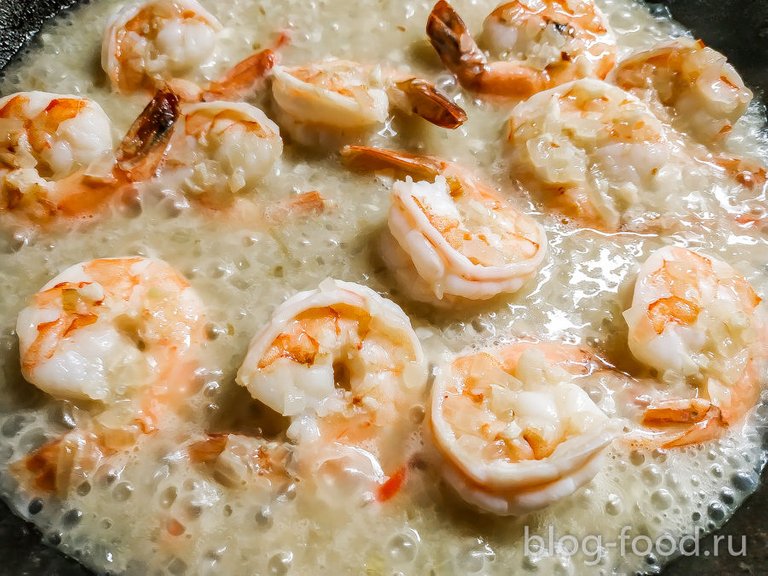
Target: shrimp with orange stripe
[120, 337]
[539, 44]
[513, 427]
[705, 93]
[451, 236]
[701, 327]
[57, 160]
[345, 365]
[336, 101]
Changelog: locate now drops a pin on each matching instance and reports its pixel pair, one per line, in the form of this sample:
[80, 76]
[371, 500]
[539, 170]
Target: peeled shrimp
[539, 43]
[56, 156]
[151, 42]
[345, 365]
[340, 100]
[598, 154]
[514, 429]
[697, 322]
[705, 91]
[452, 235]
[121, 336]
[223, 149]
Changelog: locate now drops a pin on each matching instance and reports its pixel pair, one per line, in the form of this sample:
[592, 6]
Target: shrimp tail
[705, 418]
[368, 159]
[455, 46]
[243, 78]
[142, 151]
[432, 104]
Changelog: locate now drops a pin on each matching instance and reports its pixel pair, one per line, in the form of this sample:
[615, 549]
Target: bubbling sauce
[151, 511]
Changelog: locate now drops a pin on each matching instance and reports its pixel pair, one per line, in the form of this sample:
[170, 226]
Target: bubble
[71, 518]
[716, 470]
[613, 506]
[636, 458]
[472, 559]
[84, 489]
[122, 491]
[288, 492]
[403, 547]
[35, 506]
[727, 497]
[280, 563]
[177, 567]
[661, 499]
[168, 496]
[652, 476]
[743, 481]
[263, 517]
[716, 511]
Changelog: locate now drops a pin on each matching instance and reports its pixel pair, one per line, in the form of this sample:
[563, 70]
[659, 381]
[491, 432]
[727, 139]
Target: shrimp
[540, 44]
[120, 336]
[697, 322]
[514, 429]
[451, 235]
[151, 42]
[598, 154]
[341, 100]
[345, 365]
[705, 91]
[224, 148]
[56, 156]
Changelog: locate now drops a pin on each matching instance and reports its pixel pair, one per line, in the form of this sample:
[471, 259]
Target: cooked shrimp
[539, 43]
[451, 234]
[341, 100]
[120, 335]
[514, 429]
[148, 43]
[225, 148]
[52, 149]
[696, 321]
[705, 91]
[346, 366]
[597, 153]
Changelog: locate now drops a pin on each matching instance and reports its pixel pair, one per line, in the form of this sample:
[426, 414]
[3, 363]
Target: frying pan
[738, 28]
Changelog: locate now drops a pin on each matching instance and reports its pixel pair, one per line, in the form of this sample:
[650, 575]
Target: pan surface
[738, 28]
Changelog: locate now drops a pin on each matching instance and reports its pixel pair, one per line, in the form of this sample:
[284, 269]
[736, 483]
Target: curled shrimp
[222, 149]
[345, 365]
[696, 321]
[452, 235]
[705, 91]
[341, 100]
[56, 156]
[121, 336]
[539, 43]
[598, 154]
[151, 42]
[514, 429]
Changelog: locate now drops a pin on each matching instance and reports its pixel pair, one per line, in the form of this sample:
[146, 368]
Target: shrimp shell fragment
[514, 430]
